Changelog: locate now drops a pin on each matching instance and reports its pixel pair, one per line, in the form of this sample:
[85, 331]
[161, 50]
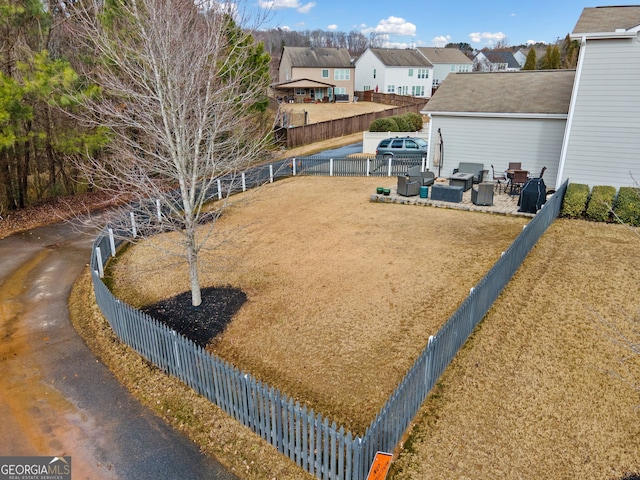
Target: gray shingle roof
[528, 92]
[305, 57]
[395, 57]
[444, 55]
[502, 57]
[607, 19]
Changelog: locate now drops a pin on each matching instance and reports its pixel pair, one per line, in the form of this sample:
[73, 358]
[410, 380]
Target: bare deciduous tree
[180, 89]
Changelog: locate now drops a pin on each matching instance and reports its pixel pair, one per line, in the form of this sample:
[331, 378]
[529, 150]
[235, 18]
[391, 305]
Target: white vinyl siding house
[602, 145]
[501, 117]
[583, 125]
[404, 72]
[535, 142]
[445, 61]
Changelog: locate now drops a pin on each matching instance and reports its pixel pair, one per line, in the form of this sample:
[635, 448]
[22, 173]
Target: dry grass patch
[540, 391]
[343, 293]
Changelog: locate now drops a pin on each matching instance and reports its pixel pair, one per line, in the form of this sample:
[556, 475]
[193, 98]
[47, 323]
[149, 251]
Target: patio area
[503, 203]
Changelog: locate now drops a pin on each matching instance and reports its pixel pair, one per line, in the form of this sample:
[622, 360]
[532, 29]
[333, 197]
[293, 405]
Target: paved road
[55, 397]
[341, 151]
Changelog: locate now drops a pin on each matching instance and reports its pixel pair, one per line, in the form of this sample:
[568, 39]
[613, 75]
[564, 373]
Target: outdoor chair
[498, 179]
[483, 195]
[425, 178]
[408, 187]
[515, 166]
[520, 177]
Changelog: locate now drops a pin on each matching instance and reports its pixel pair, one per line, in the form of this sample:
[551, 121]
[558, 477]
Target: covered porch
[303, 90]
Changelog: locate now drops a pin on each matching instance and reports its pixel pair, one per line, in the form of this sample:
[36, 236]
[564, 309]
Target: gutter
[552, 116]
[618, 34]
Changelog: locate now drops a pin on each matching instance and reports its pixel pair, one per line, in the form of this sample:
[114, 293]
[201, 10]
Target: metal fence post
[244, 182]
[219, 189]
[134, 232]
[270, 173]
[112, 242]
[99, 260]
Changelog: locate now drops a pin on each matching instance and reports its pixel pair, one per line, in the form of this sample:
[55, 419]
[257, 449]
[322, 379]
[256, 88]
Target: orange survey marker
[380, 466]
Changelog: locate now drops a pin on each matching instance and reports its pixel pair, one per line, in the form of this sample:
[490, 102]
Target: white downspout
[429, 156]
[572, 108]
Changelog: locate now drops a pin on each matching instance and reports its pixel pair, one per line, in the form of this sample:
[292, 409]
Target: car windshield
[422, 143]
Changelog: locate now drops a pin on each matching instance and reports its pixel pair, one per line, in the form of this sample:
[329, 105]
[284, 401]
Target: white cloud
[514, 15]
[441, 40]
[306, 8]
[398, 45]
[533, 42]
[487, 37]
[332, 27]
[283, 4]
[392, 26]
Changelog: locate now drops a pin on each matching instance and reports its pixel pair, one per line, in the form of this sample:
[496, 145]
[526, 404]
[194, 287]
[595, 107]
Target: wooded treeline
[37, 141]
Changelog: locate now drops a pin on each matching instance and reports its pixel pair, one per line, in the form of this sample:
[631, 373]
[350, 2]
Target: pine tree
[530, 63]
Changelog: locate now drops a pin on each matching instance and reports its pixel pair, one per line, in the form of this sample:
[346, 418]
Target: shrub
[415, 119]
[387, 124]
[404, 125]
[599, 207]
[575, 200]
[627, 205]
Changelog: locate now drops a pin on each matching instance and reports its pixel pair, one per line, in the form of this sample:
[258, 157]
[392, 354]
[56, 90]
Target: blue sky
[428, 24]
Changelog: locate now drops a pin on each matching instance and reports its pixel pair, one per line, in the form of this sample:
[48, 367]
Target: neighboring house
[521, 54]
[389, 70]
[583, 125]
[315, 74]
[501, 117]
[495, 61]
[445, 61]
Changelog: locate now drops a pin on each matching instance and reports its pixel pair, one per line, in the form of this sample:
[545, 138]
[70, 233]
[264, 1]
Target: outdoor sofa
[477, 169]
[425, 178]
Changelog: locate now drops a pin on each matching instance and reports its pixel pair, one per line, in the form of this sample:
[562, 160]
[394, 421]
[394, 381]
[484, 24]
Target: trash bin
[424, 192]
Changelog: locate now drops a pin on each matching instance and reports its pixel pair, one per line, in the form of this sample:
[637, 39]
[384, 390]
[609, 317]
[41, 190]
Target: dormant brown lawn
[344, 293]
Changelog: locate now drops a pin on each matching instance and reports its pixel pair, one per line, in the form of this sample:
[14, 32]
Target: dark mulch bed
[202, 323]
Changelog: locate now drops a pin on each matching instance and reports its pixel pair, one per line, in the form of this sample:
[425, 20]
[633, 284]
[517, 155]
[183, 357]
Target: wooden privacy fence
[316, 132]
[308, 438]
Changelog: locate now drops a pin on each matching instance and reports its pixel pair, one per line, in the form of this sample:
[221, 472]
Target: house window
[366, 88]
[391, 88]
[411, 72]
[342, 74]
[301, 91]
[374, 73]
[325, 73]
[423, 73]
[340, 90]
[417, 90]
[453, 68]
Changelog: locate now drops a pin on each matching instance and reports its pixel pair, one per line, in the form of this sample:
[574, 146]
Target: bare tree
[180, 89]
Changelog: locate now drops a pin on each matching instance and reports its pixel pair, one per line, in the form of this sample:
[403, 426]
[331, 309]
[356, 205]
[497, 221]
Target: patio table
[464, 180]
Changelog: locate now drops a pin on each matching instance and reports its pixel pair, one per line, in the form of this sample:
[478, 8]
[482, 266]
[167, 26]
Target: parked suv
[402, 146]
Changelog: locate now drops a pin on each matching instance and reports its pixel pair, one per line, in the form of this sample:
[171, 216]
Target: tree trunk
[196, 294]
